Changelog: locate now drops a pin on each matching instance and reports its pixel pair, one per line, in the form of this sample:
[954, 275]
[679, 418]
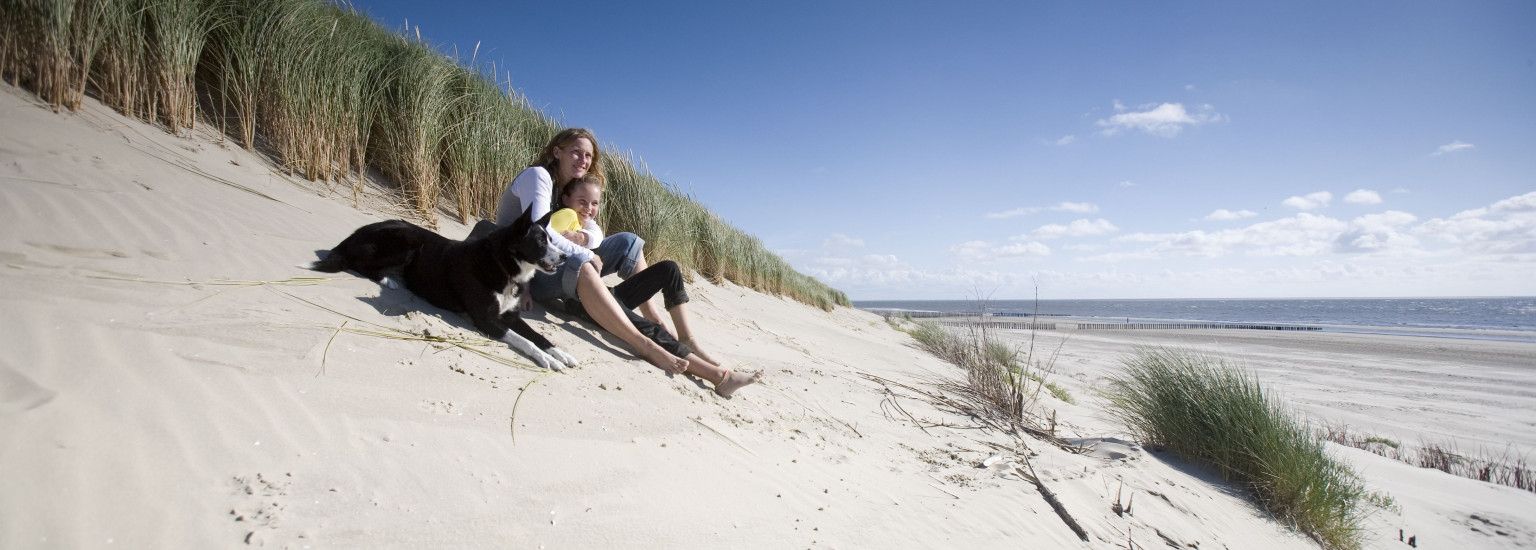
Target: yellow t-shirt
[564, 220]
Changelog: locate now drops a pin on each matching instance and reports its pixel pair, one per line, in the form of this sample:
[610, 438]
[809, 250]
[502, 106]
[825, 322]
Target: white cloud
[1378, 233]
[1165, 120]
[1119, 106]
[1453, 147]
[1224, 215]
[1019, 249]
[881, 261]
[1078, 207]
[1066, 139]
[982, 250]
[839, 240]
[1127, 183]
[1014, 213]
[1077, 228]
[1310, 201]
[1363, 196]
[1113, 257]
[1505, 227]
[1189, 87]
[1301, 235]
[1521, 203]
[1400, 191]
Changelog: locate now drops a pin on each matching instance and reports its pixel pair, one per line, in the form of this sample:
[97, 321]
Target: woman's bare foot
[694, 345]
[735, 381]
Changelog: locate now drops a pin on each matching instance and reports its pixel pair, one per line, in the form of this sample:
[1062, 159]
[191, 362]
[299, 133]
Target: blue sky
[902, 150]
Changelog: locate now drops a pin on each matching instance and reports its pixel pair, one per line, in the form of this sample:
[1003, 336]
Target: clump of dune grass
[1214, 413]
[330, 95]
[1005, 380]
[1508, 467]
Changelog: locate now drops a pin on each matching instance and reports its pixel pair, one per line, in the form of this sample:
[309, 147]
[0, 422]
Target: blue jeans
[620, 253]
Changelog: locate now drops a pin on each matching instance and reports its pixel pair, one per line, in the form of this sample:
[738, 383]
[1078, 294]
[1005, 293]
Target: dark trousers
[663, 277]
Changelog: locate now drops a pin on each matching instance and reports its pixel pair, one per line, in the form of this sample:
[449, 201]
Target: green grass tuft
[1212, 412]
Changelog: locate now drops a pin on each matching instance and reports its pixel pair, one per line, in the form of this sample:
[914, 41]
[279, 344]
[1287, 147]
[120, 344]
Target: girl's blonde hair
[565, 138]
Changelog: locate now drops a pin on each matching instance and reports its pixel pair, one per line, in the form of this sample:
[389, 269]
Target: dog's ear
[544, 221]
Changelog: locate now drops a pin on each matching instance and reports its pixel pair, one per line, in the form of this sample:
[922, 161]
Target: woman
[570, 155]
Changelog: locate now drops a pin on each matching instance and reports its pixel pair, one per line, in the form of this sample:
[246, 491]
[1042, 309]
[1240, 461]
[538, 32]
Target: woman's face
[575, 159]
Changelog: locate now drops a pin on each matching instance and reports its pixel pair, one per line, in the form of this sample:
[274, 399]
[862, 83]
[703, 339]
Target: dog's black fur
[481, 278]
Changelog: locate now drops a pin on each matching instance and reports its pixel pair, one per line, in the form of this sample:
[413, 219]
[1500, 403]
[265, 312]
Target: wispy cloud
[1453, 147]
[1382, 232]
[1165, 120]
[1077, 228]
[839, 240]
[1066, 139]
[1014, 213]
[1127, 183]
[983, 250]
[1310, 201]
[1363, 196]
[1064, 206]
[1224, 215]
[1505, 227]
[1301, 235]
[1078, 207]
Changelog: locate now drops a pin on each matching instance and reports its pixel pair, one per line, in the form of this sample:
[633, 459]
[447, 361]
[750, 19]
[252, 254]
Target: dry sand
[145, 403]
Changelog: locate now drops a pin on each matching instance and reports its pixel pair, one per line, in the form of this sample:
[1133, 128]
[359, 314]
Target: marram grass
[1214, 413]
[331, 95]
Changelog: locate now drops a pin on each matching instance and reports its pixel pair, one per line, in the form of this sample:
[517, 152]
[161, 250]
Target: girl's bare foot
[735, 381]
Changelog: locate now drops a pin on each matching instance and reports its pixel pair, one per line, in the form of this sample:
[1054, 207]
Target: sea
[1503, 318]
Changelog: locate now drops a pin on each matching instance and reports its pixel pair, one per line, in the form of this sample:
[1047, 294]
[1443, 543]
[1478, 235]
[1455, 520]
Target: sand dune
[169, 379]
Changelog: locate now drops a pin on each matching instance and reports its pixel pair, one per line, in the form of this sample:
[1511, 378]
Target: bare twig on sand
[327, 350]
[291, 281]
[1050, 498]
[512, 420]
[473, 344]
[727, 438]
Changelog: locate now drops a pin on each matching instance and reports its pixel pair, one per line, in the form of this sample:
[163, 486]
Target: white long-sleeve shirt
[533, 189]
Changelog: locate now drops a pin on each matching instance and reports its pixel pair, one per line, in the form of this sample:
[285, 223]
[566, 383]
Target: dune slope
[170, 379]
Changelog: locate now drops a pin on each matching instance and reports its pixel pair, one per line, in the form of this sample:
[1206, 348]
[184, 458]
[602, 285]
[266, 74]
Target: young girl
[577, 222]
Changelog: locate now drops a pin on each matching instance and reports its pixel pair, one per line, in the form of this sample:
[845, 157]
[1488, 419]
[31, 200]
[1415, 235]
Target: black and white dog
[480, 278]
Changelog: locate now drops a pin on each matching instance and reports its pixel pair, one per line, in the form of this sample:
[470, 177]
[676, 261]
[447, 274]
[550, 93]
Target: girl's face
[575, 159]
[584, 199]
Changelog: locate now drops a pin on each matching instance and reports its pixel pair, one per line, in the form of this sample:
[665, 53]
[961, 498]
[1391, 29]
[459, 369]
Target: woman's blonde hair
[566, 137]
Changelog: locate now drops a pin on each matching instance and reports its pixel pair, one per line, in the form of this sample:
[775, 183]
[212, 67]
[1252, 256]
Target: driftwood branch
[1050, 498]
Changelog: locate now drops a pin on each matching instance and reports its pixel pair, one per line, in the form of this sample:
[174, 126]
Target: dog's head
[529, 243]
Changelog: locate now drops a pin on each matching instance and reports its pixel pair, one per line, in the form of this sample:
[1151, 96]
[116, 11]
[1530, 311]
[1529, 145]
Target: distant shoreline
[1502, 319]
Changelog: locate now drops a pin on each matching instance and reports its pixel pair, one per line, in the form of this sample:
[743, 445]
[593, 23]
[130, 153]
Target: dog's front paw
[546, 361]
[562, 356]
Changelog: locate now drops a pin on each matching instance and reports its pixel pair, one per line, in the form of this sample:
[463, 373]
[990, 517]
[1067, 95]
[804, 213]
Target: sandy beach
[171, 379]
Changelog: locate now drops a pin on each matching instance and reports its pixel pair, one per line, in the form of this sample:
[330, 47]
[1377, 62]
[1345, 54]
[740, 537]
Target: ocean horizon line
[1463, 297]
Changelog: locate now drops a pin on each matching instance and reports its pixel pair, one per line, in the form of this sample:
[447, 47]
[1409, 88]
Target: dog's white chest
[507, 299]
